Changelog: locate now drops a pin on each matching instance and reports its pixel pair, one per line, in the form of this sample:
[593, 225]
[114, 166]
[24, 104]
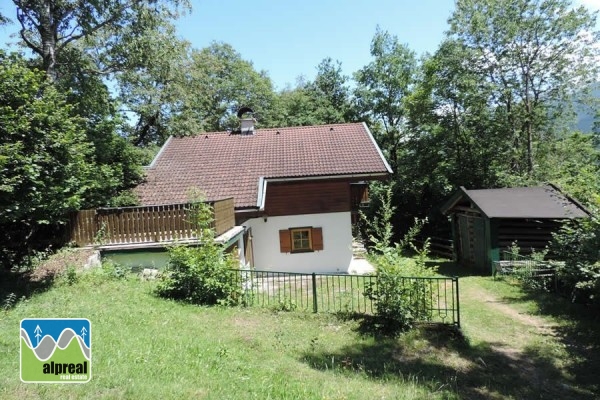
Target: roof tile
[223, 164]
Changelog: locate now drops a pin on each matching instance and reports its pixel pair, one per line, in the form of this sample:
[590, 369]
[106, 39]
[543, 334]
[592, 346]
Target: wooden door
[471, 249]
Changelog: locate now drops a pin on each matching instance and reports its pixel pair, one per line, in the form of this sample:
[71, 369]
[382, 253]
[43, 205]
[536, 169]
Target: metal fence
[516, 264]
[539, 274]
[437, 298]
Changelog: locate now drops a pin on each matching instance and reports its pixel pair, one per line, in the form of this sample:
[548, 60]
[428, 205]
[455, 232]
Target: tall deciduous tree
[155, 91]
[325, 100]
[382, 87]
[535, 54]
[330, 93]
[449, 109]
[219, 82]
[45, 168]
[48, 27]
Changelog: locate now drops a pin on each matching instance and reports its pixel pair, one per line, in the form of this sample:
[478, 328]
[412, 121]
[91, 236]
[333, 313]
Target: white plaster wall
[337, 243]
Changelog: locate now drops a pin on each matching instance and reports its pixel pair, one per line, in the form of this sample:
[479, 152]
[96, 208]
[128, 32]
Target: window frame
[315, 237]
[310, 247]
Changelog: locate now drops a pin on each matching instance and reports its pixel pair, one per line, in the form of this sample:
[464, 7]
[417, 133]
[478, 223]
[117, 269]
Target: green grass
[533, 344]
[147, 347]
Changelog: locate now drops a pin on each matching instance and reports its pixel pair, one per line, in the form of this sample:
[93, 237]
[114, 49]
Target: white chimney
[247, 127]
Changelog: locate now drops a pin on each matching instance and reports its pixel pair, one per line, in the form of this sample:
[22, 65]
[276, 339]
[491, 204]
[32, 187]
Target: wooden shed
[487, 221]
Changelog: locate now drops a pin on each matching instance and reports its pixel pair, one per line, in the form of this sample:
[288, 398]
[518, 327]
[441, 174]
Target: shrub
[203, 274]
[71, 275]
[400, 299]
[578, 245]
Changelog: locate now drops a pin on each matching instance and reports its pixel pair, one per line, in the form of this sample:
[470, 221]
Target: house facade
[296, 190]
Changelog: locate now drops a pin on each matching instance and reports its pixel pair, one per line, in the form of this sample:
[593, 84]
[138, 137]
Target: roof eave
[387, 166]
[571, 199]
[160, 153]
[452, 201]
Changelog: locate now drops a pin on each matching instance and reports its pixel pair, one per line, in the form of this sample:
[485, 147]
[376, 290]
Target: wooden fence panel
[83, 227]
[224, 215]
[145, 224]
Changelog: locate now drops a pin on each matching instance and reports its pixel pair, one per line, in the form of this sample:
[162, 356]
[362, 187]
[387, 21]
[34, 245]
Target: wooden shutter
[317, 239]
[285, 241]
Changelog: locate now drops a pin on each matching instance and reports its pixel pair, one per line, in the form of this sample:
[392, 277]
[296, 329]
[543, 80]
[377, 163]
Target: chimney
[247, 122]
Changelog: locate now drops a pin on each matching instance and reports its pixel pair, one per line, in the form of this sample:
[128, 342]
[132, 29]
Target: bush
[578, 245]
[400, 300]
[203, 274]
[200, 275]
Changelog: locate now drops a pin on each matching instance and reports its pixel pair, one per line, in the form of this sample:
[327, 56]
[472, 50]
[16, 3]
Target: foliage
[70, 275]
[578, 244]
[326, 100]
[45, 170]
[53, 27]
[382, 87]
[111, 270]
[399, 299]
[9, 301]
[201, 274]
[285, 305]
[219, 82]
[379, 229]
[530, 57]
[573, 163]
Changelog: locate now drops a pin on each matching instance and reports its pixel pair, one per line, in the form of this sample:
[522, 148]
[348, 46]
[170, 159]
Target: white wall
[337, 243]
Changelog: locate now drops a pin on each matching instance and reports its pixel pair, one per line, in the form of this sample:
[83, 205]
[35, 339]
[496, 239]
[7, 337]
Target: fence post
[455, 279]
[314, 290]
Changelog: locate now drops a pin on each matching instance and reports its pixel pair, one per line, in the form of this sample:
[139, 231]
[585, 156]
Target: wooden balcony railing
[145, 224]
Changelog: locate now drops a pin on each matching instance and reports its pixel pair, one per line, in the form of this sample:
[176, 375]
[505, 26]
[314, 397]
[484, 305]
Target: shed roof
[223, 164]
[520, 202]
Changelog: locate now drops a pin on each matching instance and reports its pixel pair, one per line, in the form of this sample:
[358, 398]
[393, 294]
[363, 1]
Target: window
[300, 240]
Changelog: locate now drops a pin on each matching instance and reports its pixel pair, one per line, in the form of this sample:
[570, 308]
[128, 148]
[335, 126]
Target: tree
[459, 139]
[3, 19]
[155, 91]
[330, 93]
[117, 163]
[382, 87]
[45, 168]
[534, 54]
[573, 163]
[326, 100]
[296, 107]
[219, 82]
[49, 27]
[83, 48]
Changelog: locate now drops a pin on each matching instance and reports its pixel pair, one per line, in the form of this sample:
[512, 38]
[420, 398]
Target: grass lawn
[146, 347]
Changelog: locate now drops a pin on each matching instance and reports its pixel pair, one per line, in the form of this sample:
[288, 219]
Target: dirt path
[543, 326]
[510, 334]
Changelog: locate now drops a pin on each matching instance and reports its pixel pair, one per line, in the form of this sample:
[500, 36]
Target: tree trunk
[528, 126]
[47, 29]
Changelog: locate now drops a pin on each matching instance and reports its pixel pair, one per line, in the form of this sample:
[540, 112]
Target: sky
[289, 39]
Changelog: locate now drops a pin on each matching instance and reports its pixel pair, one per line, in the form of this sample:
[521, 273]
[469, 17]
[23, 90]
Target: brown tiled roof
[230, 165]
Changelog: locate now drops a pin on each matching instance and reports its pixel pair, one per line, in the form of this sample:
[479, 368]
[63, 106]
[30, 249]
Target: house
[296, 190]
[486, 222]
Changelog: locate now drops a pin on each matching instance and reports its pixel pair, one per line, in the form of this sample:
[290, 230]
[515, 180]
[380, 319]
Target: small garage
[487, 221]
